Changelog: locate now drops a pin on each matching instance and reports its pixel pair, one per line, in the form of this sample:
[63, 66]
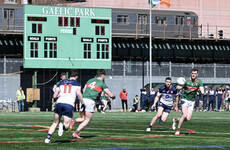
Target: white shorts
[89, 105]
[103, 102]
[189, 104]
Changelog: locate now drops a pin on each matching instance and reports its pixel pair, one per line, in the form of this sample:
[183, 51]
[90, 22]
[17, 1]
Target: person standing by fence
[20, 99]
[123, 96]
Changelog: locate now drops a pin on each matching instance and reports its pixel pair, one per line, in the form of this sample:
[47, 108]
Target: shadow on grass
[72, 140]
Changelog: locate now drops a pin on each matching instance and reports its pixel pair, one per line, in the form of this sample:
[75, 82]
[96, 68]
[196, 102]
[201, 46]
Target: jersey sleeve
[104, 86]
[201, 83]
[159, 92]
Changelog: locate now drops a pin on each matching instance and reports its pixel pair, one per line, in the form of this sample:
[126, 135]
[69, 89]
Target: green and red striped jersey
[93, 88]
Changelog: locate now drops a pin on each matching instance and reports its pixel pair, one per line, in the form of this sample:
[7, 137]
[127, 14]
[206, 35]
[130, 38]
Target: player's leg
[183, 117]
[159, 113]
[88, 117]
[105, 106]
[164, 116]
[89, 112]
[229, 106]
[53, 127]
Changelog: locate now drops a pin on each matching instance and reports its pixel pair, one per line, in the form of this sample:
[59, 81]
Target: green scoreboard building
[67, 37]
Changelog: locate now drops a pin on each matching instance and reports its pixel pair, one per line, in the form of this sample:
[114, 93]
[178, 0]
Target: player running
[191, 86]
[104, 102]
[67, 91]
[91, 90]
[166, 95]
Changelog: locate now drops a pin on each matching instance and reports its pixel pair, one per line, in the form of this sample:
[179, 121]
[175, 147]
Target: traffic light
[220, 33]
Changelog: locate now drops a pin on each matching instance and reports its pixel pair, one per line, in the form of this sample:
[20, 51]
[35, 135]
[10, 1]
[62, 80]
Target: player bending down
[191, 86]
[90, 92]
[67, 90]
[166, 94]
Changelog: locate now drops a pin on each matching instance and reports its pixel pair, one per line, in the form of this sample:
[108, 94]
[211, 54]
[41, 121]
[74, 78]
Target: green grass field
[116, 130]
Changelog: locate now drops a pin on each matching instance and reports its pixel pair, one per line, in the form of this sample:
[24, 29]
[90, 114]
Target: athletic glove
[83, 107]
[113, 97]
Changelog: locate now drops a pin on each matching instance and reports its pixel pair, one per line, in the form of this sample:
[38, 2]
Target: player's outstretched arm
[201, 90]
[109, 93]
[155, 101]
[179, 87]
[176, 103]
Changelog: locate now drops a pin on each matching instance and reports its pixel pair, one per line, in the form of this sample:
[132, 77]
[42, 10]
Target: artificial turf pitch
[115, 131]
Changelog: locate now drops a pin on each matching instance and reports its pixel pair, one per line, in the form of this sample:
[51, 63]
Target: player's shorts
[103, 102]
[166, 108]
[189, 104]
[90, 105]
[228, 99]
[64, 110]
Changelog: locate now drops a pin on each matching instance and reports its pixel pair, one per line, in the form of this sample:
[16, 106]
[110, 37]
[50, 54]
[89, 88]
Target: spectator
[123, 96]
[227, 95]
[135, 103]
[144, 99]
[220, 92]
[205, 98]
[20, 99]
[211, 94]
[151, 95]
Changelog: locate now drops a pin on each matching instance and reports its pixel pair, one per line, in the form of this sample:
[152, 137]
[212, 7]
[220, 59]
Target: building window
[10, 1]
[122, 19]
[160, 20]
[142, 19]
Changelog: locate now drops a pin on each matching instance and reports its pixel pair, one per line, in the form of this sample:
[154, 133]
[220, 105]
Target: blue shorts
[64, 110]
[167, 108]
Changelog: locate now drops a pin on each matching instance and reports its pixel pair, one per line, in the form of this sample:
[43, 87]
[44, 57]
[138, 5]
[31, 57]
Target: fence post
[170, 69]
[214, 67]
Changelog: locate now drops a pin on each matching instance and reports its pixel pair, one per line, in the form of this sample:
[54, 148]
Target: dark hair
[100, 72]
[74, 73]
[168, 78]
[63, 74]
[194, 69]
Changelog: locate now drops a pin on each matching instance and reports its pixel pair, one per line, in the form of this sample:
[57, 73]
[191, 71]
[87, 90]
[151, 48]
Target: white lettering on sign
[66, 31]
[68, 11]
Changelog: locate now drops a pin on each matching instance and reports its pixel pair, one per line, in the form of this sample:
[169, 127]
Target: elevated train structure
[176, 36]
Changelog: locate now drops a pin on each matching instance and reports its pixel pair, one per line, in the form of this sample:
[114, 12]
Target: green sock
[77, 131]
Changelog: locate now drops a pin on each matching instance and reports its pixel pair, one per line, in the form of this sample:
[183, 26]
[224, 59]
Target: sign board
[67, 37]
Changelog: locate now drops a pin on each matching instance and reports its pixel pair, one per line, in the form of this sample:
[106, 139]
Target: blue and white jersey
[67, 91]
[228, 92]
[167, 96]
[220, 92]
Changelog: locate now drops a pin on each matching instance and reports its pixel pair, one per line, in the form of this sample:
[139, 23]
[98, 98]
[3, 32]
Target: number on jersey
[92, 85]
[67, 86]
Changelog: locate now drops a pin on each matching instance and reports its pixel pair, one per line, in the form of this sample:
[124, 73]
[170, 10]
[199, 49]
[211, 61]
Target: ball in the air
[181, 81]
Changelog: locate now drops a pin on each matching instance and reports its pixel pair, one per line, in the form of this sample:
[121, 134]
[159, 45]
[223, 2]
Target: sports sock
[49, 136]
[150, 126]
[77, 131]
